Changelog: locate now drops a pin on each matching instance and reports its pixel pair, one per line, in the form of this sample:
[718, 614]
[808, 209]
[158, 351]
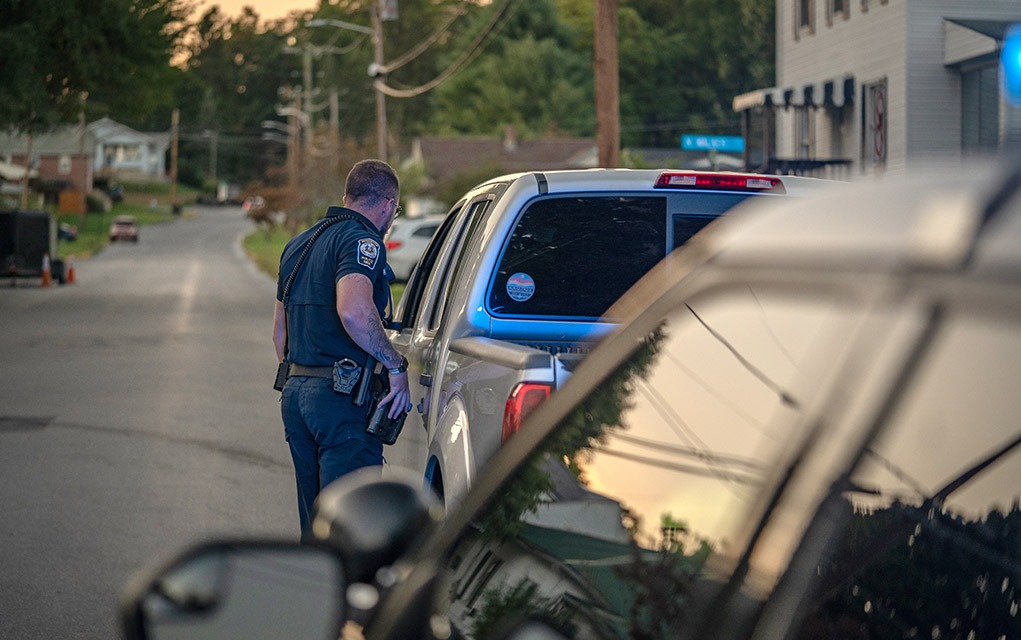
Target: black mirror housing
[239, 589]
[371, 520]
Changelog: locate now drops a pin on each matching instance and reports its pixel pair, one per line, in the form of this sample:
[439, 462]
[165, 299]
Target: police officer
[335, 311]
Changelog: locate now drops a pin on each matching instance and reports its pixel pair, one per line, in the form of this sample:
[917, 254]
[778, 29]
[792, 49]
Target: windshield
[646, 497]
[653, 475]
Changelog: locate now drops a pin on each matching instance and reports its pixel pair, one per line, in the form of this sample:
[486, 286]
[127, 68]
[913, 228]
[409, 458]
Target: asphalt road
[136, 416]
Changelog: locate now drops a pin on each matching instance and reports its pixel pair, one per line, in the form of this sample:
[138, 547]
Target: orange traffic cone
[70, 270]
[47, 276]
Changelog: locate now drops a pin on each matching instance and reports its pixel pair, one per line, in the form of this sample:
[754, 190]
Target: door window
[933, 542]
[411, 301]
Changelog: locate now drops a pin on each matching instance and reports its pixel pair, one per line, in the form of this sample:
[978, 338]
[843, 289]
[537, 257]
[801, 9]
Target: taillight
[393, 244]
[523, 399]
[720, 181]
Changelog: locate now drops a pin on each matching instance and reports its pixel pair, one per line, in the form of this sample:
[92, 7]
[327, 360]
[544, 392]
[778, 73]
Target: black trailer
[25, 238]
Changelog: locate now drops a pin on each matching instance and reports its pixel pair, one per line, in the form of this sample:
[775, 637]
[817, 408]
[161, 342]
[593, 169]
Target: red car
[124, 228]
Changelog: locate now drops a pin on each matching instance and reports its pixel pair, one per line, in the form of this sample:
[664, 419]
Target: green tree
[532, 74]
[234, 72]
[63, 56]
[683, 61]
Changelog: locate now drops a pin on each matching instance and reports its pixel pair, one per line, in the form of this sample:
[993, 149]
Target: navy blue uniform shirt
[315, 335]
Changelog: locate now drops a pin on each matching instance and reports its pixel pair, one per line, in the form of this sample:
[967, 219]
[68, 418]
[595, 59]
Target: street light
[376, 69]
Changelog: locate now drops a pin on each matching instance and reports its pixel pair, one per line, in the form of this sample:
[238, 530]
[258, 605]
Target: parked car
[406, 241]
[67, 231]
[805, 426]
[509, 295]
[124, 228]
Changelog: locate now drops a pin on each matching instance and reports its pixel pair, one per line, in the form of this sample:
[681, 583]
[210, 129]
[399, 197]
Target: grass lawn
[151, 204]
[264, 249]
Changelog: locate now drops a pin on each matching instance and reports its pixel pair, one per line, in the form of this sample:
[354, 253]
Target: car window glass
[452, 271]
[606, 530]
[426, 231]
[933, 546]
[411, 300]
[690, 212]
[573, 256]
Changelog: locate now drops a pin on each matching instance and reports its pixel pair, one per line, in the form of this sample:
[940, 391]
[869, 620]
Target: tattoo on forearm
[379, 346]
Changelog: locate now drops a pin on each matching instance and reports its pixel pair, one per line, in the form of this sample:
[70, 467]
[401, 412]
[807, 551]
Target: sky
[267, 9]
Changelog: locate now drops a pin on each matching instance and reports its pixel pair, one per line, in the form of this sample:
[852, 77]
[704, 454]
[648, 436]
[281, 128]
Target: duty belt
[311, 372]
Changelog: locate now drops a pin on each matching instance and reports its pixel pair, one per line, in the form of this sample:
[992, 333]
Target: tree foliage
[61, 57]
[461, 66]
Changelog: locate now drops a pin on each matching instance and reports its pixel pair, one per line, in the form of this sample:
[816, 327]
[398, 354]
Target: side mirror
[252, 589]
[372, 520]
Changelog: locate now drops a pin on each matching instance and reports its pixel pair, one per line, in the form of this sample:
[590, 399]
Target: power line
[727, 476]
[689, 452]
[420, 48]
[784, 396]
[466, 57]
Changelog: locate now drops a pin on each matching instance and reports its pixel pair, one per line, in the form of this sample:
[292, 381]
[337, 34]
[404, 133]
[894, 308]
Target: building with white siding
[869, 86]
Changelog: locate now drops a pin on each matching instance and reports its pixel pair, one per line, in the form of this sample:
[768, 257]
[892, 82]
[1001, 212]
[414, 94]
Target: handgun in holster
[374, 388]
[368, 382]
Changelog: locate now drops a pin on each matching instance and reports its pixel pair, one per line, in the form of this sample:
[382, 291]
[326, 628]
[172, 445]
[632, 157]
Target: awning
[837, 93]
[12, 172]
[972, 40]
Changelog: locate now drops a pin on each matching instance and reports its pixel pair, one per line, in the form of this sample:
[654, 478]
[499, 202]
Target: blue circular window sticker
[520, 287]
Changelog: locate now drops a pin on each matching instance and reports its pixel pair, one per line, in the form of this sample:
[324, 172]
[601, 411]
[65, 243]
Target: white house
[121, 151]
[867, 86]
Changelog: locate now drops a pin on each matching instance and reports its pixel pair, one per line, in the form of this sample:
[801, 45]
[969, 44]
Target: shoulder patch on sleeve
[368, 252]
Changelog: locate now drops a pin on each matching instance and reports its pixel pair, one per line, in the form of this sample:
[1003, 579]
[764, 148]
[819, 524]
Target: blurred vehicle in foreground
[124, 228]
[406, 241]
[805, 426]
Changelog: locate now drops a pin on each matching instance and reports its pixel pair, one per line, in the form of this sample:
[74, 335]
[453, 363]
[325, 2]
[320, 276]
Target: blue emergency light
[1010, 62]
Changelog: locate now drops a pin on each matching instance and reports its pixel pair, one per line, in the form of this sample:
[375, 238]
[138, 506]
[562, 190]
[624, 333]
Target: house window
[64, 165]
[875, 126]
[837, 10]
[804, 132]
[804, 17]
[980, 109]
[127, 153]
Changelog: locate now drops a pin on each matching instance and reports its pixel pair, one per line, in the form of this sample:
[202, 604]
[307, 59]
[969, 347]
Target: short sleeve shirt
[315, 335]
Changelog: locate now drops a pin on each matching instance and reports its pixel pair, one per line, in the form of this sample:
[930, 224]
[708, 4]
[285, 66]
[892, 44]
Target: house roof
[107, 130]
[71, 139]
[67, 139]
[445, 158]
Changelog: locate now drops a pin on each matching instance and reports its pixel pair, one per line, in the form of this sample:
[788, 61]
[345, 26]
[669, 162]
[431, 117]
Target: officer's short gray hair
[372, 179]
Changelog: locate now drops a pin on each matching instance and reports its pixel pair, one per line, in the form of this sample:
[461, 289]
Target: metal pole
[377, 41]
[307, 90]
[175, 121]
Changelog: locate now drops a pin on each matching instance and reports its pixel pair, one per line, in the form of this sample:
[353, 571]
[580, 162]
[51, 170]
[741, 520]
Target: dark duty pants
[326, 436]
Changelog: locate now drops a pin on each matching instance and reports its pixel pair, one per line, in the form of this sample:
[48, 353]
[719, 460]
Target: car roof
[566, 180]
[931, 219]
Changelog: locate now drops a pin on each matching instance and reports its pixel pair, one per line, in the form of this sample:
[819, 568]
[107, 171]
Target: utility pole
[376, 71]
[607, 84]
[376, 67]
[175, 120]
[306, 81]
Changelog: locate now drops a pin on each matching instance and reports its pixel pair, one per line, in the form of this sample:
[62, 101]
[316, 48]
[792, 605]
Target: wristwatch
[401, 368]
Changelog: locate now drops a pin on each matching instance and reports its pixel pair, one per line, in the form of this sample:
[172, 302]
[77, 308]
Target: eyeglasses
[398, 210]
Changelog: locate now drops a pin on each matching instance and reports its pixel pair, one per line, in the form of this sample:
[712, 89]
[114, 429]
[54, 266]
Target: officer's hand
[399, 396]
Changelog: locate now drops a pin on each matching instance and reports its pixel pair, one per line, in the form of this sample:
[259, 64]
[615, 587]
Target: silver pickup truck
[510, 295]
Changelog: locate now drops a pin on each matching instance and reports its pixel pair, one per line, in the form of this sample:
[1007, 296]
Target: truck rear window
[574, 256]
